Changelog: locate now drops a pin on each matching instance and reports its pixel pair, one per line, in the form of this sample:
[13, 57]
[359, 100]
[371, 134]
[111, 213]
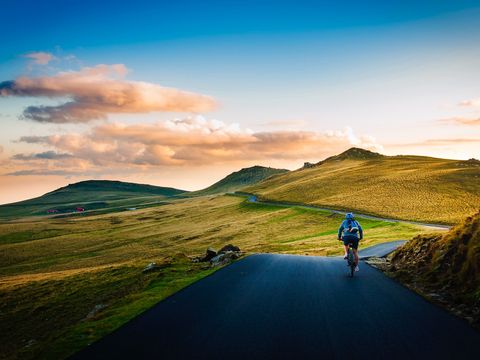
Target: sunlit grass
[403, 187]
[54, 272]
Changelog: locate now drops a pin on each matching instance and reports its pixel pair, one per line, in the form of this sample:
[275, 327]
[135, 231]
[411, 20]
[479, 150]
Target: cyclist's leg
[345, 246]
[355, 251]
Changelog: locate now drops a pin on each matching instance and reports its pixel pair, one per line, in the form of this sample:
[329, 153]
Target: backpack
[352, 226]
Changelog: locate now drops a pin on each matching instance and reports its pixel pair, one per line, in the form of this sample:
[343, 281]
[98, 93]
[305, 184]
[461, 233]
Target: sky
[182, 93]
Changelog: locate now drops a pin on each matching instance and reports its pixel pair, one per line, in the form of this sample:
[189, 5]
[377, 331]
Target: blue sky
[403, 73]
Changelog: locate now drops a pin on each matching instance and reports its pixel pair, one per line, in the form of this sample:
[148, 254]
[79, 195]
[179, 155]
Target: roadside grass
[403, 187]
[54, 272]
[55, 318]
[159, 285]
[444, 268]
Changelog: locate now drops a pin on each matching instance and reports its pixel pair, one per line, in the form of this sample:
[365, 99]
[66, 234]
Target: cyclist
[350, 232]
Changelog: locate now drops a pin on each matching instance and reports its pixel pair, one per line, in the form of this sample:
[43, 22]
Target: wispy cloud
[462, 121]
[438, 142]
[95, 92]
[40, 172]
[470, 103]
[33, 139]
[40, 57]
[47, 155]
[196, 141]
[454, 141]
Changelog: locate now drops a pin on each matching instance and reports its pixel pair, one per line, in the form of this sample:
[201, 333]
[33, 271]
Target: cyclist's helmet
[349, 216]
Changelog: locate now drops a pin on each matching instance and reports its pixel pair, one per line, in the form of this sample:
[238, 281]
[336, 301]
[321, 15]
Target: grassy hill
[404, 187]
[92, 195]
[239, 179]
[55, 272]
[445, 268]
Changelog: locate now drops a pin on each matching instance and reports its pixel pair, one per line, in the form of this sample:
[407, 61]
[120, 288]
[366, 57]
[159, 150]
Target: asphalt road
[380, 250]
[291, 307]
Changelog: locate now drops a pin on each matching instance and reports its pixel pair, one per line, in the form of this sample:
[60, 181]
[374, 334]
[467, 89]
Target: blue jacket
[343, 230]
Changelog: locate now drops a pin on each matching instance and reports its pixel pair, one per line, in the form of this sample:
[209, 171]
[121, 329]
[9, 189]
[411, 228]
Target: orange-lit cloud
[193, 141]
[95, 92]
[438, 142]
[462, 121]
[40, 57]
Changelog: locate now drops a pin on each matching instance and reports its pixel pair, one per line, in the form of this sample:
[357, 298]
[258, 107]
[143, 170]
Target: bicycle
[351, 260]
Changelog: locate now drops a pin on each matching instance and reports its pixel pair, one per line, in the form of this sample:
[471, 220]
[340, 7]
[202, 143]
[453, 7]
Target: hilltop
[444, 267]
[239, 179]
[89, 195]
[405, 187]
[354, 153]
[116, 189]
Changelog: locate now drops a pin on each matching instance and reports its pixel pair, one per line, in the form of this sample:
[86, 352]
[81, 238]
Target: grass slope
[91, 195]
[54, 272]
[404, 187]
[447, 266]
[239, 179]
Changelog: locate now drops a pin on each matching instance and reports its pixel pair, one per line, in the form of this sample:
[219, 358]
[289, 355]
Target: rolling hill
[239, 179]
[405, 187]
[89, 195]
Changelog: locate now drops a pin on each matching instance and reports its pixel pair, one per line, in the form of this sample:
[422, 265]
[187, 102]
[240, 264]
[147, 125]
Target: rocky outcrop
[226, 254]
[229, 247]
[150, 267]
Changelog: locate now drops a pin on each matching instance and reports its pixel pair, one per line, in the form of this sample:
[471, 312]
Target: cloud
[40, 58]
[33, 139]
[454, 141]
[47, 155]
[439, 142]
[196, 141]
[470, 103]
[462, 121]
[95, 92]
[39, 172]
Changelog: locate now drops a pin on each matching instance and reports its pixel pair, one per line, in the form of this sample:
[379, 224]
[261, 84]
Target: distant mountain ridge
[114, 185]
[415, 188]
[239, 179]
[90, 195]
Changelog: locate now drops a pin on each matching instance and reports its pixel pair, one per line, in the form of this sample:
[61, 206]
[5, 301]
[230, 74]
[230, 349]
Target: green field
[403, 187]
[54, 272]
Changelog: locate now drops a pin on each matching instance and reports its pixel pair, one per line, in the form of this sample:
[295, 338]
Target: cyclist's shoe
[357, 268]
[345, 257]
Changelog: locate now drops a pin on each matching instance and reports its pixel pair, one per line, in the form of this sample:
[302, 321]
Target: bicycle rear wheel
[351, 262]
